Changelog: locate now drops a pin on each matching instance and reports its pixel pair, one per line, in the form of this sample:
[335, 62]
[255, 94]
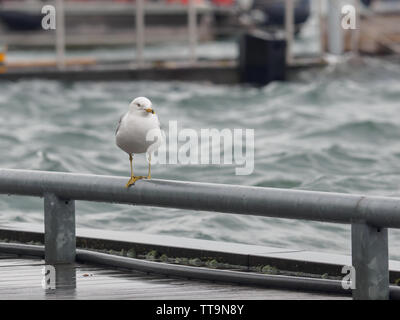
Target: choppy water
[333, 130]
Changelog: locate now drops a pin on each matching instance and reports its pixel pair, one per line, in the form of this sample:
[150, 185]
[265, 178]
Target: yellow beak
[149, 110]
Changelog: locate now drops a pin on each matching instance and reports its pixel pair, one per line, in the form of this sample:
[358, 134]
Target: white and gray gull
[139, 131]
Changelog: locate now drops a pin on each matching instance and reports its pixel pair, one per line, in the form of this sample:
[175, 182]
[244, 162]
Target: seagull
[139, 131]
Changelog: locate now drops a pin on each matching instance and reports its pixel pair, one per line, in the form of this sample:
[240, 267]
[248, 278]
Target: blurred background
[326, 119]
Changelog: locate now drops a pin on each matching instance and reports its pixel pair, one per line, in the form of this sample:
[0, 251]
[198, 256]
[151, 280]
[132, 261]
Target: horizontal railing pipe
[369, 216]
[260, 201]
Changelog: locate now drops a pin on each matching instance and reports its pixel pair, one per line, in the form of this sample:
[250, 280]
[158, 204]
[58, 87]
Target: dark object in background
[22, 21]
[275, 11]
[366, 3]
[262, 58]
[265, 14]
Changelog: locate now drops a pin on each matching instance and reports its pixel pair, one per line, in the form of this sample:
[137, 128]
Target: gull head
[141, 103]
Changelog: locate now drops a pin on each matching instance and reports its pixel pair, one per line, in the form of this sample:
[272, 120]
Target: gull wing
[159, 124]
[119, 124]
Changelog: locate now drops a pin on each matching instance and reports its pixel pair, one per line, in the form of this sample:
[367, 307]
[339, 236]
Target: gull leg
[130, 160]
[133, 179]
[149, 174]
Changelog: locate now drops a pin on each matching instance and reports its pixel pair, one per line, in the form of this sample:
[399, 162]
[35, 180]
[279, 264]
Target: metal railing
[369, 216]
[140, 11]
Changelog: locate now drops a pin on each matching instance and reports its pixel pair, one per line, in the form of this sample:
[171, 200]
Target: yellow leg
[133, 179]
[149, 174]
[130, 161]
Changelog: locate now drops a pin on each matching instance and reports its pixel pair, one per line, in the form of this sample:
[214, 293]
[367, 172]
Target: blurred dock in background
[103, 23]
[144, 24]
[265, 51]
[377, 28]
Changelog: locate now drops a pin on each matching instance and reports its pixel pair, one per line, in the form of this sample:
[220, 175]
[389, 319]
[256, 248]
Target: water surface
[335, 129]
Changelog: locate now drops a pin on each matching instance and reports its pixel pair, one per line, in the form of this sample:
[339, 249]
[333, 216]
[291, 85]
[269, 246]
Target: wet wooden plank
[21, 279]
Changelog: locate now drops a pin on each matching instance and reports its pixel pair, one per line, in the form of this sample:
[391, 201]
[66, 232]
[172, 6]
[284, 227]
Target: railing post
[334, 27]
[321, 26]
[59, 229]
[140, 38]
[370, 258]
[289, 29]
[192, 30]
[60, 34]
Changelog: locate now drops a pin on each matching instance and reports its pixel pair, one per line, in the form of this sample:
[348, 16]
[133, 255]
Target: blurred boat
[20, 21]
[25, 15]
[265, 14]
[274, 11]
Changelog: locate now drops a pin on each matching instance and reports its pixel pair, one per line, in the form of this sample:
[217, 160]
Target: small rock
[195, 262]
[131, 253]
[164, 258]
[153, 254]
[212, 263]
[87, 275]
[270, 270]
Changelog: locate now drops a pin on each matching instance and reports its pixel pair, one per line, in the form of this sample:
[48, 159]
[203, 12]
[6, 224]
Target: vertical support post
[321, 29]
[192, 31]
[59, 230]
[334, 27]
[289, 29]
[65, 277]
[370, 258]
[355, 35]
[60, 34]
[139, 32]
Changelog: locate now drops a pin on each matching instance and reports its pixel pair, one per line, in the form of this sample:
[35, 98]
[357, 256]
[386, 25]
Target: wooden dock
[81, 69]
[221, 71]
[98, 37]
[380, 34]
[101, 23]
[21, 277]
